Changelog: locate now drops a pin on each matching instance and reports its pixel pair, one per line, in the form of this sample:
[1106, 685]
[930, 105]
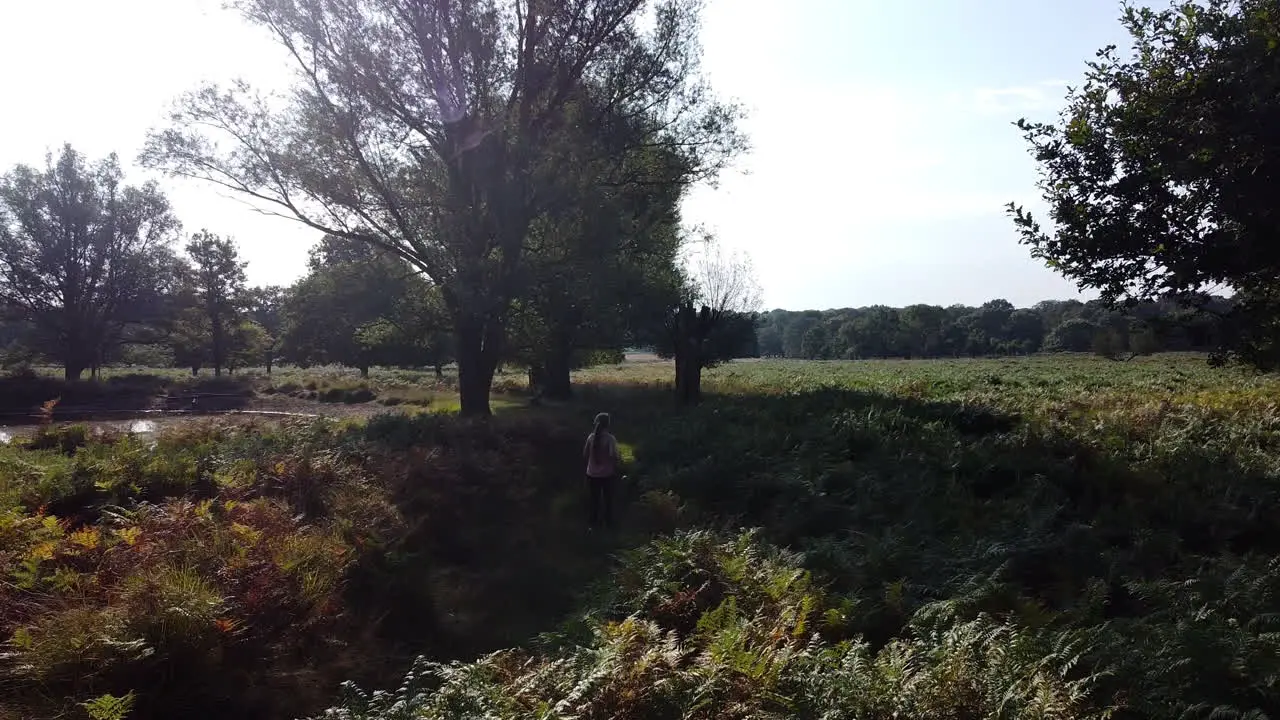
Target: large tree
[1162, 173]
[605, 265]
[219, 283]
[82, 254]
[429, 128]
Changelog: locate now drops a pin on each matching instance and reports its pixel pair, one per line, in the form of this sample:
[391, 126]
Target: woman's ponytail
[601, 424]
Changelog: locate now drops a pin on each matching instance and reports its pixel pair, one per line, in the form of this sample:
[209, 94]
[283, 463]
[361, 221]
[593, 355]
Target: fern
[109, 707]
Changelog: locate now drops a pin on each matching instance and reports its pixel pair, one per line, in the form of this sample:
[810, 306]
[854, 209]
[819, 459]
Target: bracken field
[1036, 537]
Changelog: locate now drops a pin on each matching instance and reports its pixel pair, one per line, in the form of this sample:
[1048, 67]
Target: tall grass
[1041, 537]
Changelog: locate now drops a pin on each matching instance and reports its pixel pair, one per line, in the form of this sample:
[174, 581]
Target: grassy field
[1034, 537]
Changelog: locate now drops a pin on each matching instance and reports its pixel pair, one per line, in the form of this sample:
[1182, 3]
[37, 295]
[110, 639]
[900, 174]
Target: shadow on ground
[878, 491]
[894, 502]
[911, 500]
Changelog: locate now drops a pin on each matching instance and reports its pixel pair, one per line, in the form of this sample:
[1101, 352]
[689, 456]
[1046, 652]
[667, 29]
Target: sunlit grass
[451, 404]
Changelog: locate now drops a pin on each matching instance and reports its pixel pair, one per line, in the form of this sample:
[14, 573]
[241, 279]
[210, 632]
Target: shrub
[63, 438]
[332, 395]
[729, 628]
[215, 585]
[359, 395]
[248, 560]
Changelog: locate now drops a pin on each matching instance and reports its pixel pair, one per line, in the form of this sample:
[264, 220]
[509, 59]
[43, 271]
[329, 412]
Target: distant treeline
[995, 328]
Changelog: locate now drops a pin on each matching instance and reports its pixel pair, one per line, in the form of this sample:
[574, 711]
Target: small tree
[1144, 342]
[266, 310]
[349, 285]
[721, 286]
[736, 337]
[1110, 344]
[247, 344]
[1074, 335]
[218, 276]
[412, 333]
[189, 339]
[1025, 332]
[817, 343]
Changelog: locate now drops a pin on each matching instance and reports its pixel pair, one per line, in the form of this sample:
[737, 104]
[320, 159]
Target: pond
[152, 423]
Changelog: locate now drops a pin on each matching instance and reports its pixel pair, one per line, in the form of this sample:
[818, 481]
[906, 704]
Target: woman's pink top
[603, 463]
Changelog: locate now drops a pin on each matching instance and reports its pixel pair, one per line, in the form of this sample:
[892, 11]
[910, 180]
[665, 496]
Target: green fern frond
[109, 707]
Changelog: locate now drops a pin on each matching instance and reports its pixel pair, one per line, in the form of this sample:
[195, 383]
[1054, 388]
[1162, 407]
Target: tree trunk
[270, 360]
[75, 355]
[219, 343]
[439, 368]
[693, 386]
[364, 371]
[72, 370]
[537, 378]
[477, 361]
[474, 384]
[679, 331]
[557, 381]
[691, 329]
[689, 384]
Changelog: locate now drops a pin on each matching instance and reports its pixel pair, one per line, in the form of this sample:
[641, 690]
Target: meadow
[1035, 537]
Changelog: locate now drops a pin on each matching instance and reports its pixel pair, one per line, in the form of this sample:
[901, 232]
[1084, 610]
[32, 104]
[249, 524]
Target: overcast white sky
[883, 151]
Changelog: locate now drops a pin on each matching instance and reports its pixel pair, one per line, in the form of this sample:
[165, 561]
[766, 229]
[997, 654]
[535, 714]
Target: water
[142, 426]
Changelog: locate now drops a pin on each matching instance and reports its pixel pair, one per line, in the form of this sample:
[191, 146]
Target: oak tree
[82, 254]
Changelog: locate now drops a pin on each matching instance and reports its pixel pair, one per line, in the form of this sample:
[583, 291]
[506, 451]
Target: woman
[601, 454]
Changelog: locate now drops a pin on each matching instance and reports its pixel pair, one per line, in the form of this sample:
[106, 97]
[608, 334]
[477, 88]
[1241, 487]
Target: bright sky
[883, 151]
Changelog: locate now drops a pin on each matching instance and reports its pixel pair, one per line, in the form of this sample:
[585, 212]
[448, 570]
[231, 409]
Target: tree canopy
[994, 328]
[359, 307]
[1162, 171]
[82, 254]
[501, 182]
